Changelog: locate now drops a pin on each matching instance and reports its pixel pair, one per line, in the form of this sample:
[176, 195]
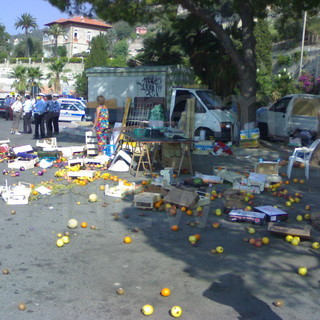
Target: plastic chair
[302, 155]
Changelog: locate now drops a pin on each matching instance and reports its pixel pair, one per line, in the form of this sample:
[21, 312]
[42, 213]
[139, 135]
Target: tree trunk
[27, 45]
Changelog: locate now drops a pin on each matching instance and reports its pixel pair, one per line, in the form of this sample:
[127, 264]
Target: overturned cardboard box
[183, 198]
[287, 229]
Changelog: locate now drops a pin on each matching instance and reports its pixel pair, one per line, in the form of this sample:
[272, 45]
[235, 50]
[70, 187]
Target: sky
[41, 10]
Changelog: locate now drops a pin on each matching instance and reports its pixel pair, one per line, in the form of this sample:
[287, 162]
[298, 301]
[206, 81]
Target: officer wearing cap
[56, 113]
[39, 111]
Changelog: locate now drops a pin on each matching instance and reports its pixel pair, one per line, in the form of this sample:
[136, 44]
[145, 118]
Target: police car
[72, 110]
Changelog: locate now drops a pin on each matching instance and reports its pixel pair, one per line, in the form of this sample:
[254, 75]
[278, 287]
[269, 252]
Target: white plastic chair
[302, 155]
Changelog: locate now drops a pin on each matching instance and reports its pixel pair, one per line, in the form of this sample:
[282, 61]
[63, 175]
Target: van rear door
[277, 118]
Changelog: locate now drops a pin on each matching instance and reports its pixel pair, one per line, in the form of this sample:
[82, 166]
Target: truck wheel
[209, 133]
[263, 127]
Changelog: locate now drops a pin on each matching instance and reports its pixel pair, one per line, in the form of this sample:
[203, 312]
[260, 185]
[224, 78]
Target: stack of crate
[91, 143]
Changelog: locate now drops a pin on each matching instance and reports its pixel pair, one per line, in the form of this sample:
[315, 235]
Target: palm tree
[26, 22]
[34, 75]
[55, 31]
[20, 82]
[56, 75]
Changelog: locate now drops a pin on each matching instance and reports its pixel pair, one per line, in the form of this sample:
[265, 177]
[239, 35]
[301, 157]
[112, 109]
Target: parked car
[77, 102]
[72, 112]
[290, 113]
[2, 108]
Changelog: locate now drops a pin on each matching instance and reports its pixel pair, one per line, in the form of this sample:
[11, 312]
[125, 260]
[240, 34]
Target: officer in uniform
[56, 113]
[39, 112]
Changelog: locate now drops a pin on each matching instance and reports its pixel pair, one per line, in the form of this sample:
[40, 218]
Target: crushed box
[181, 197]
[284, 229]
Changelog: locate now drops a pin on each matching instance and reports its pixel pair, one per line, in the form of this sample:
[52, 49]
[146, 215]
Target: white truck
[163, 84]
[290, 113]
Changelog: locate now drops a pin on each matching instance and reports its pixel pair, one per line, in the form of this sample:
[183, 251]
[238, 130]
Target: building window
[89, 36]
[75, 35]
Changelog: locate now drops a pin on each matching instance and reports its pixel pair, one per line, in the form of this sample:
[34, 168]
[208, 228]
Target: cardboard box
[250, 134]
[250, 143]
[181, 198]
[272, 214]
[315, 220]
[247, 216]
[203, 147]
[284, 229]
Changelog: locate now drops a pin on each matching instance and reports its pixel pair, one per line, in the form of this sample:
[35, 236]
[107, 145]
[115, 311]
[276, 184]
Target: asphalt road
[80, 279]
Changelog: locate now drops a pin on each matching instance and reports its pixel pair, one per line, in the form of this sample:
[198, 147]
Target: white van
[210, 114]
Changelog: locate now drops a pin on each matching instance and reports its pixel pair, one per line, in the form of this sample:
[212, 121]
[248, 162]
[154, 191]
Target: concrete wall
[6, 69]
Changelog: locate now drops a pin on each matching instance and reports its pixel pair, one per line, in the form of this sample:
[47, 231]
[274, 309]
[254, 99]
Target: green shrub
[284, 60]
[75, 60]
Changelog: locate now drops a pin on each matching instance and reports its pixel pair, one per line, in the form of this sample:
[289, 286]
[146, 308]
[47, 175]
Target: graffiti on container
[151, 86]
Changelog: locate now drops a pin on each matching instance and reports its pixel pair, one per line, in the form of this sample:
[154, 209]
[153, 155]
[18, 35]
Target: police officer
[49, 115]
[27, 114]
[38, 114]
[56, 113]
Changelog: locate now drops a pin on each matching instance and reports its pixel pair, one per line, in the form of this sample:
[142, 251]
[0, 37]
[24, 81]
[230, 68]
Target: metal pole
[302, 41]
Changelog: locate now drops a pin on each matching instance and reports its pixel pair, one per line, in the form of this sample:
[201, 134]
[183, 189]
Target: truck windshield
[211, 100]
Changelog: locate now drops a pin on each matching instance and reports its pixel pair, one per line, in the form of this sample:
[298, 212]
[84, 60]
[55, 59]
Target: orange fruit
[197, 235]
[84, 224]
[189, 212]
[165, 292]
[32, 186]
[174, 227]
[287, 182]
[127, 239]
[157, 204]
[183, 209]
[35, 192]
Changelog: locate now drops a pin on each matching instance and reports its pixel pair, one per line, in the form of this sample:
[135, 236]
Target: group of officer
[45, 111]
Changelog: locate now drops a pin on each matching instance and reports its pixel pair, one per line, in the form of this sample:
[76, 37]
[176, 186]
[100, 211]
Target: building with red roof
[78, 32]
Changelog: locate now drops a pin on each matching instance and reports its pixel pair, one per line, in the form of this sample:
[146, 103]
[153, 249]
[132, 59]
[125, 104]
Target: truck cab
[210, 113]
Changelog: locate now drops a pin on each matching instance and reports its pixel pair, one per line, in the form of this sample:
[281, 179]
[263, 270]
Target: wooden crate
[146, 200]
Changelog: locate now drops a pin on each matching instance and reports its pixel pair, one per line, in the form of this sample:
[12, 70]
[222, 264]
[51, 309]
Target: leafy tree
[35, 47]
[19, 73]
[213, 14]
[97, 58]
[34, 75]
[123, 30]
[161, 49]
[26, 22]
[62, 51]
[55, 77]
[120, 49]
[288, 27]
[98, 52]
[55, 31]
[4, 42]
